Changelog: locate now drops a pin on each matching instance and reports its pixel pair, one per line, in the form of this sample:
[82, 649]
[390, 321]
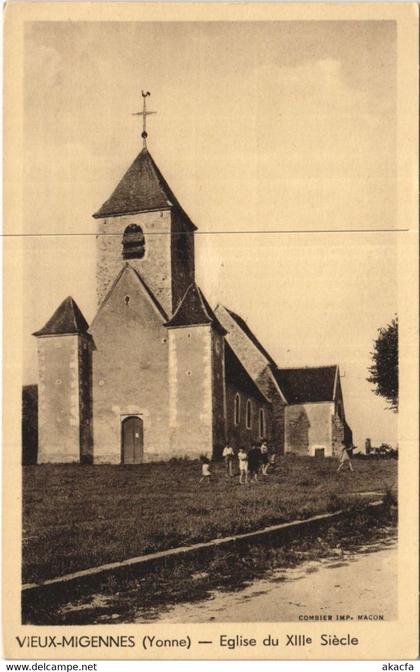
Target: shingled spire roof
[194, 309]
[67, 319]
[142, 189]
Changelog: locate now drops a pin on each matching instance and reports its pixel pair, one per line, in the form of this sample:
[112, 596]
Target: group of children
[256, 461]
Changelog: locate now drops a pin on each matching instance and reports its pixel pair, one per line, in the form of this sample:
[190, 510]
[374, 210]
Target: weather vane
[144, 114]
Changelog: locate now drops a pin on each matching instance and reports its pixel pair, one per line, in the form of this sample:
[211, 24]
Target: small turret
[64, 389]
[196, 377]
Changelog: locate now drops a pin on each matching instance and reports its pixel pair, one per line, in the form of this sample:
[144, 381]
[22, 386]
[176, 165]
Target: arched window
[237, 409]
[133, 242]
[262, 423]
[248, 414]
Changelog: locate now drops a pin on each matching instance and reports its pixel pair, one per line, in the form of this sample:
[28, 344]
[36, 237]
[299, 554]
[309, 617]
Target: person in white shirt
[228, 456]
[205, 471]
[243, 466]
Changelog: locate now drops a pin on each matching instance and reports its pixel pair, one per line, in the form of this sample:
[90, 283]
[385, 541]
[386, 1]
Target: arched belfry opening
[133, 242]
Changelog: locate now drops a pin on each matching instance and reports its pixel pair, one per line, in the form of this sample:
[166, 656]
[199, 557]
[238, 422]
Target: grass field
[144, 596]
[75, 516]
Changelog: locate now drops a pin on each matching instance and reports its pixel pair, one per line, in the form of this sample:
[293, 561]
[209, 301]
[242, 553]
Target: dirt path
[362, 583]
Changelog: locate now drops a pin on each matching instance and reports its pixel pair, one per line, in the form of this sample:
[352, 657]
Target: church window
[248, 414]
[127, 300]
[262, 423]
[133, 242]
[237, 409]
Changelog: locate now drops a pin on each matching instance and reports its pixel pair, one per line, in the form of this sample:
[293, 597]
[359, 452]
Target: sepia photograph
[212, 272]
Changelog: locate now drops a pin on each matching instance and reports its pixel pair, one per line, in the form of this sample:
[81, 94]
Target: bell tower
[143, 224]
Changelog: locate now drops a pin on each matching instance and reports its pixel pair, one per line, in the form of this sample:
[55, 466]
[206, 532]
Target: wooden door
[132, 440]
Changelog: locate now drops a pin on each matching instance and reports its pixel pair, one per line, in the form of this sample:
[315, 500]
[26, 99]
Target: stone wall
[85, 398]
[337, 432]
[29, 424]
[278, 425]
[58, 398]
[308, 426]
[167, 266]
[258, 368]
[218, 393]
[130, 371]
[191, 391]
[238, 434]
[348, 435]
[341, 432]
[266, 383]
[183, 259]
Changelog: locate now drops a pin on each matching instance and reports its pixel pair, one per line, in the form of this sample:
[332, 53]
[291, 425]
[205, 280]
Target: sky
[279, 140]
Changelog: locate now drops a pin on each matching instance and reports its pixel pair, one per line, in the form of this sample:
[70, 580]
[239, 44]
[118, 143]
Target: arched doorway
[132, 440]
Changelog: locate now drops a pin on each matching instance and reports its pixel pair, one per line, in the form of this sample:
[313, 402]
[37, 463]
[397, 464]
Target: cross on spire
[144, 114]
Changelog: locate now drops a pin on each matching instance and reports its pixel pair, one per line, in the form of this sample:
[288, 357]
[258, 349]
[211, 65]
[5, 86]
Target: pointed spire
[194, 309]
[67, 319]
[142, 189]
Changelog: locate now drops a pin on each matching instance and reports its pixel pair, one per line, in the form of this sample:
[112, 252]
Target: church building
[158, 373]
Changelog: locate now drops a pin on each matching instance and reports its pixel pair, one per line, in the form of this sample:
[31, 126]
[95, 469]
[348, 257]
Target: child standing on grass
[264, 458]
[254, 460]
[205, 469]
[228, 456]
[243, 466]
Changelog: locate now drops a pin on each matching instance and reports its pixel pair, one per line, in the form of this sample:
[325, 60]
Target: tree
[384, 369]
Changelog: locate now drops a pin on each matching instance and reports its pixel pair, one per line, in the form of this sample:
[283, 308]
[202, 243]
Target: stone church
[158, 373]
